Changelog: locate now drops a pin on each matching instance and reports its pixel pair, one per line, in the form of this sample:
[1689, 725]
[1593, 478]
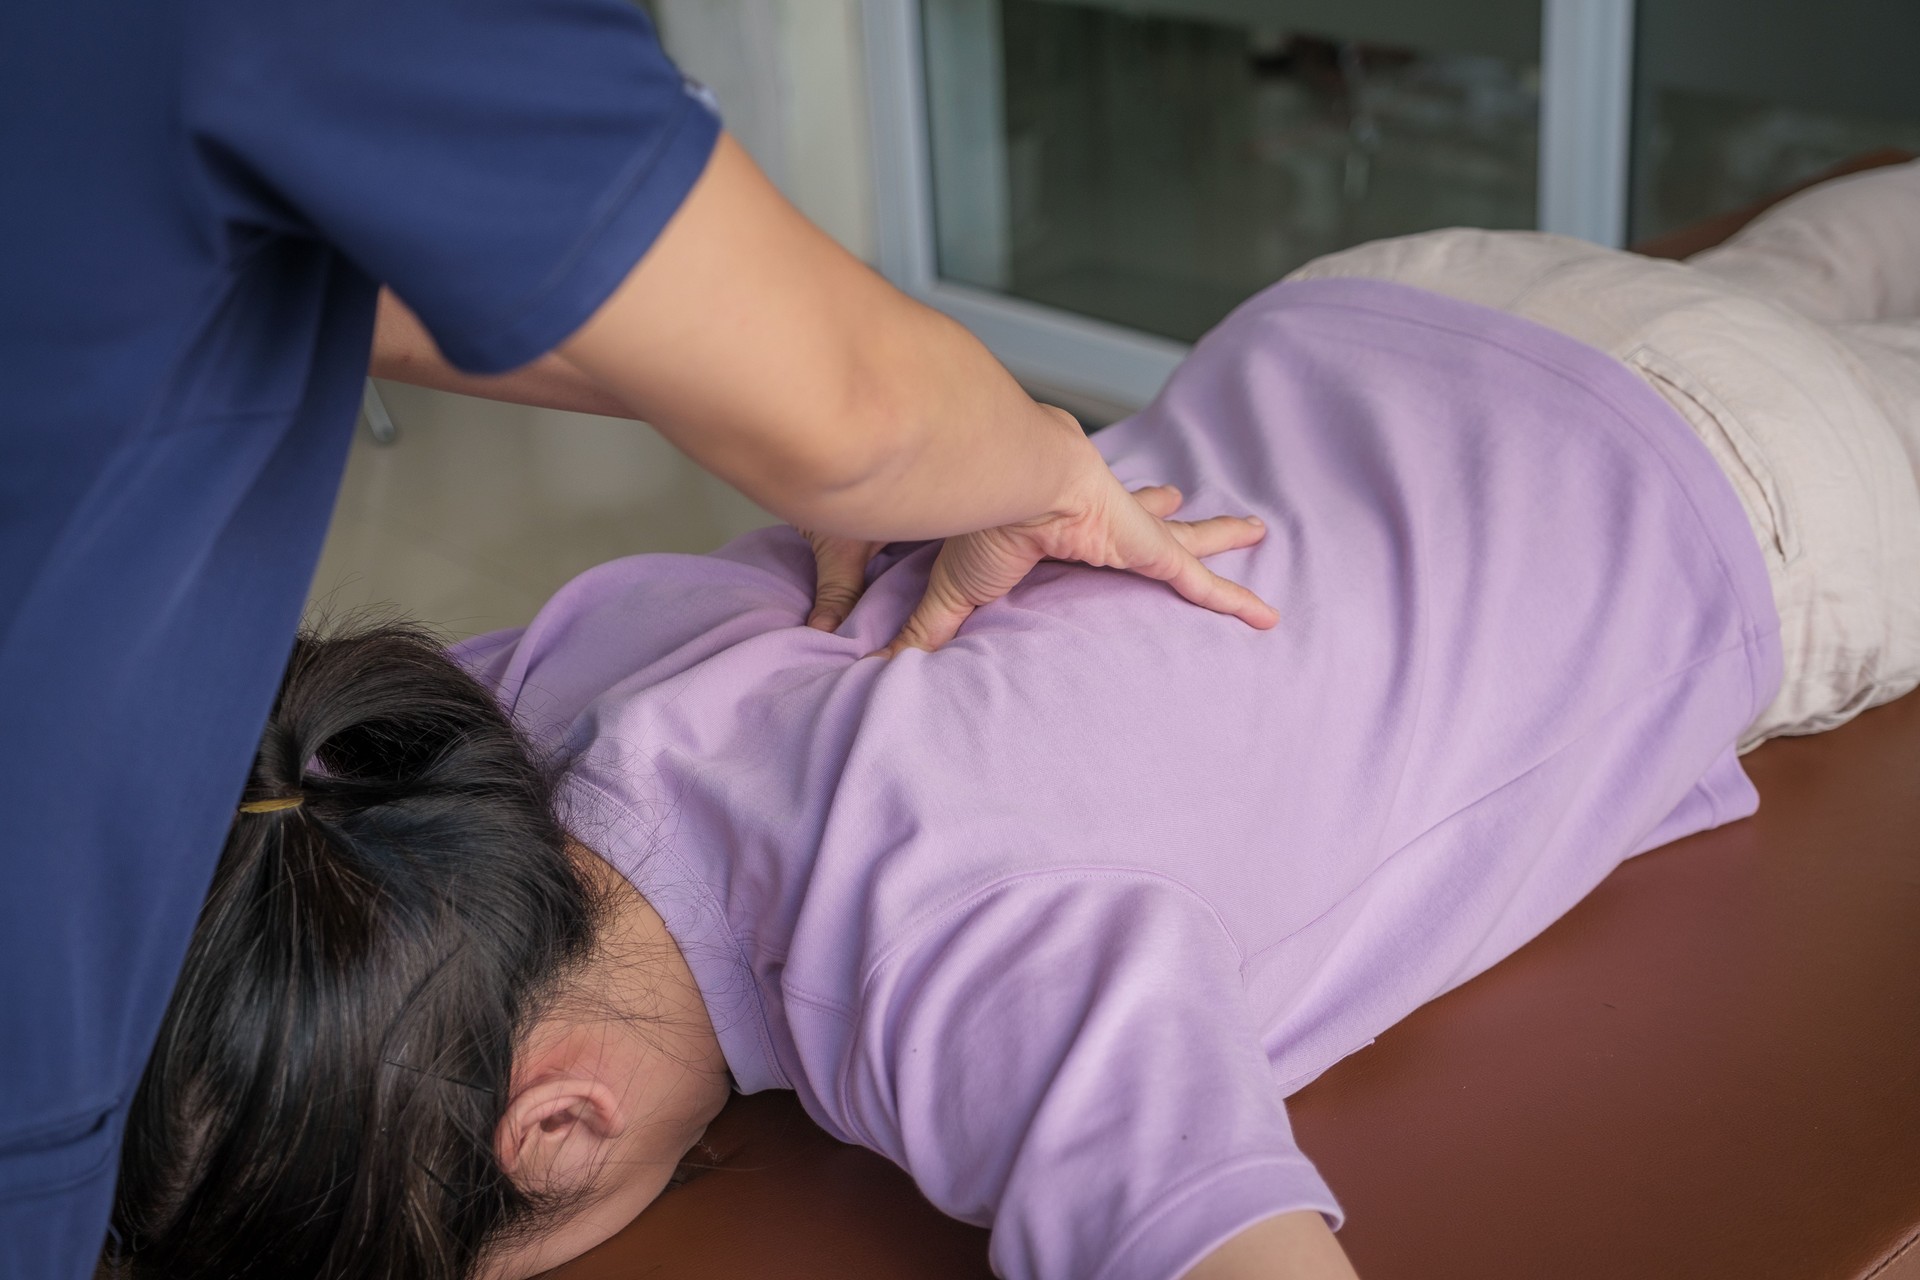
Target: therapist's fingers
[1198, 539]
[840, 576]
[1169, 551]
[1209, 590]
[971, 570]
[935, 620]
[1123, 531]
[1201, 538]
[1159, 499]
[960, 583]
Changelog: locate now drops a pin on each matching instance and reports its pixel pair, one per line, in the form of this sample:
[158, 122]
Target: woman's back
[1055, 915]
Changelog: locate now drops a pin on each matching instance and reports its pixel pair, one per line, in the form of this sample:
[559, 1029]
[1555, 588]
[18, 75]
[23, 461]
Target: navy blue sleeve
[500, 164]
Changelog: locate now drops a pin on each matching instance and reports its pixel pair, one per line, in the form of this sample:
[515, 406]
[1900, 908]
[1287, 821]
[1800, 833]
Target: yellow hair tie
[274, 805]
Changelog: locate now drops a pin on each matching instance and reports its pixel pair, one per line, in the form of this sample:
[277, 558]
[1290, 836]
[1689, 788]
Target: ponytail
[394, 907]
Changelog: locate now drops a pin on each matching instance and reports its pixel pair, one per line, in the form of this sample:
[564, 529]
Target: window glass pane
[1738, 98]
[1153, 162]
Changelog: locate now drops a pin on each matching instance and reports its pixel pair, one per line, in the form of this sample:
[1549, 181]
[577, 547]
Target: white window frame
[1586, 74]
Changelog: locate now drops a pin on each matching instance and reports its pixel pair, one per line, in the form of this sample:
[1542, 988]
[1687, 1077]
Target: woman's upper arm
[1288, 1246]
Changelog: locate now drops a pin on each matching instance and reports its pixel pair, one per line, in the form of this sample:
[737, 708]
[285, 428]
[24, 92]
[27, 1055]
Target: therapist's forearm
[961, 444]
[404, 351]
[786, 366]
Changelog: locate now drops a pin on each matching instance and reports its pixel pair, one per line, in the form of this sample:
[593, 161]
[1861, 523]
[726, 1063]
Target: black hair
[339, 1049]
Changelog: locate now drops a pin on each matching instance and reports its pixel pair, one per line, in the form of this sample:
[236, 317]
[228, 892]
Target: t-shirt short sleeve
[1069, 1058]
[500, 164]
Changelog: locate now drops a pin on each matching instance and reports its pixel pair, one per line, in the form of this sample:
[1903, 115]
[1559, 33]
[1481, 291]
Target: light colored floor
[479, 511]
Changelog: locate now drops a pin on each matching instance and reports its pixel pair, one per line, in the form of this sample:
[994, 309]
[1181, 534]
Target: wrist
[1083, 475]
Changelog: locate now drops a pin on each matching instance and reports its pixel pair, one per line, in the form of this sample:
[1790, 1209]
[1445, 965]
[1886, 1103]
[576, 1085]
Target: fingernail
[1256, 522]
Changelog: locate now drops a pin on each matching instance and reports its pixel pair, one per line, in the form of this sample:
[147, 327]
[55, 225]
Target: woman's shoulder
[639, 620]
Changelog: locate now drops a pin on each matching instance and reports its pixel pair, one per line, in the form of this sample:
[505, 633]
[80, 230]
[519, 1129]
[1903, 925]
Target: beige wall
[791, 85]
[479, 511]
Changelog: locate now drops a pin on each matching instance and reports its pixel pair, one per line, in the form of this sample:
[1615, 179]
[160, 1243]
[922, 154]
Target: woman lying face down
[1055, 917]
[422, 1032]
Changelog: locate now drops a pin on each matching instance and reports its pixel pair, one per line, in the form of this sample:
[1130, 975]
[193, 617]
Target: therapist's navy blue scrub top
[197, 198]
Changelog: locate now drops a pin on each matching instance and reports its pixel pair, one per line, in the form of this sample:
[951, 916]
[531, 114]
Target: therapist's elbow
[856, 463]
[849, 473]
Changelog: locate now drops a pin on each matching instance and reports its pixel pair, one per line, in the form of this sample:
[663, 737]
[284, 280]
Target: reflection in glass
[1700, 154]
[1738, 98]
[1151, 167]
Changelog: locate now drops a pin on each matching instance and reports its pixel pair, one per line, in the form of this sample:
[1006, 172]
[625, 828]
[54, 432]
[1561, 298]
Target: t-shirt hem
[596, 264]
[1210, 1210]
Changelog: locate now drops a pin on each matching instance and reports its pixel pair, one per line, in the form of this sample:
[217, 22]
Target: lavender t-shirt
[1057, 916]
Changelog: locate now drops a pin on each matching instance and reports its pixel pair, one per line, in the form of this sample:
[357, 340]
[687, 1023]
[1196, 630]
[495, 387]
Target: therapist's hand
[839, 576]
[1113, 529]
[1106, 526]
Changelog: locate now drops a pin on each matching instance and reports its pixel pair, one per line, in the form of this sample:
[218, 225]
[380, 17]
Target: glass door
[1152, 165]
[1735, 99]
[1092, 184]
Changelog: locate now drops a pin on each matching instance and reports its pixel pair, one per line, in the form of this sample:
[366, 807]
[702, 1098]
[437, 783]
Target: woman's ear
[559, 1132]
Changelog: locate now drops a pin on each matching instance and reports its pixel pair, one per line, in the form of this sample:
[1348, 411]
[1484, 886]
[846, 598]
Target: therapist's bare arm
[788, 367]
[1292, 1246]
[404, 351]
[784, 365]
[803, 419]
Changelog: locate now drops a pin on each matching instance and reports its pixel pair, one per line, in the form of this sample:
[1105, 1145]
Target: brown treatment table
[1710, 1068]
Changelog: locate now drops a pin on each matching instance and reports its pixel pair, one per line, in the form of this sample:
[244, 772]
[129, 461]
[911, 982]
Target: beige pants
[1793, 350]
